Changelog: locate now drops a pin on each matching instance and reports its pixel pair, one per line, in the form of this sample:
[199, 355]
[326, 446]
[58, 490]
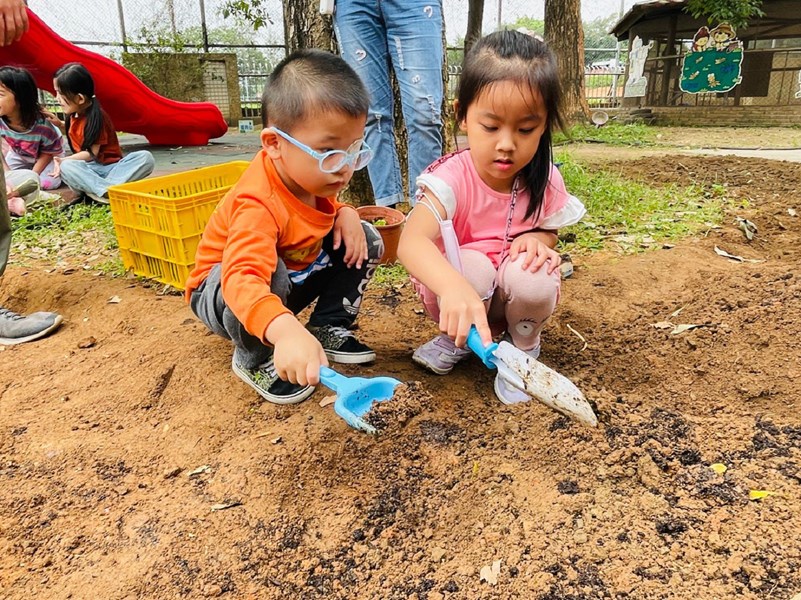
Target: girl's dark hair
[73, 79]
[22, 85]
[514, 56]
[309, 81]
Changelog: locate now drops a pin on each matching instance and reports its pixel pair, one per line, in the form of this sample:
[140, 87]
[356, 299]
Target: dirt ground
[133, 464]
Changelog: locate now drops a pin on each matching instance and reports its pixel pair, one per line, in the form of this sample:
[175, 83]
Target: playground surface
[133, 464]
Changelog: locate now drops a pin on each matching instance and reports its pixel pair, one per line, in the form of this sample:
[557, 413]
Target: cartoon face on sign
[714, 61]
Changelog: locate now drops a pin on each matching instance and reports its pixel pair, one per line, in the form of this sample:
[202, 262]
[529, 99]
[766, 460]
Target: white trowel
[534, 378]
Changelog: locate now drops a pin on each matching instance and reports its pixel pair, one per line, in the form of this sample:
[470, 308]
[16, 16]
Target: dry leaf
[718, 468]
[490, 573]
[199, 471]
[663, 325]
[114, 300]
[224, 505]
[759, 494]
[722, 252]
[328, 400]
[685, 327]
[677, 312]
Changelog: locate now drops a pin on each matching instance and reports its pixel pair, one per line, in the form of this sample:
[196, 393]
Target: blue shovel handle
[331, 379]
[485, 353]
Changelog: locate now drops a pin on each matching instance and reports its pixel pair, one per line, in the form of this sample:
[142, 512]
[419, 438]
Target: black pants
[337, 289]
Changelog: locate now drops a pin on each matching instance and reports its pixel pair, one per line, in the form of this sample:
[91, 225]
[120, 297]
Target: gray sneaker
[440, 355]
[268, 385]
[16, 329]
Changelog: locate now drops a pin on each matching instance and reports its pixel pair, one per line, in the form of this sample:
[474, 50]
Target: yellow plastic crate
[159, 221]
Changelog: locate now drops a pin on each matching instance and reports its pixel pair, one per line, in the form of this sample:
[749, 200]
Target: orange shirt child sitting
[280, 239]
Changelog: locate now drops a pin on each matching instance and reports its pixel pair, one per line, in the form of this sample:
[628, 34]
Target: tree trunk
[565, 35]
[475, 16]
[305, 27]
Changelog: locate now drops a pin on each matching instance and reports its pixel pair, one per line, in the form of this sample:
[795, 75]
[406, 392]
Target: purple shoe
[439, 355]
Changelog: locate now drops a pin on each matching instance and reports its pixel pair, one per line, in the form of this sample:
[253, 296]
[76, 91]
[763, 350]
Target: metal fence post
[203, 28]
[122, 26]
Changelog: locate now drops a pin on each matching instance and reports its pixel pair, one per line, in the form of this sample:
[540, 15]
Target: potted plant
[389, 223]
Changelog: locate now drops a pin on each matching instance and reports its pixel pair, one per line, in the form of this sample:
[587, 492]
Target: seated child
[280, 239]
[30, 142]
[97, 162]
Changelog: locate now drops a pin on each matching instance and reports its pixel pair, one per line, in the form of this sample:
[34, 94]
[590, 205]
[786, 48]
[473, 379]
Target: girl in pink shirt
[497, 206]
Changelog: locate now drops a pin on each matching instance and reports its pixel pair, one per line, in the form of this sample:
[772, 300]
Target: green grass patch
[616, 134]
[389, 275]
[631, 216]
[78, 234]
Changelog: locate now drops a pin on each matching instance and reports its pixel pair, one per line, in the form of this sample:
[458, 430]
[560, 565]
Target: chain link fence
[114, 27]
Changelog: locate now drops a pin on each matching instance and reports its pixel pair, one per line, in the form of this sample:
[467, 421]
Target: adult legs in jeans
[406, 34]
[94, 178]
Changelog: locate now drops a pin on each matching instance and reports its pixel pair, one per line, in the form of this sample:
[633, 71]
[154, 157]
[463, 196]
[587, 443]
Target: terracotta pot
[390, 232]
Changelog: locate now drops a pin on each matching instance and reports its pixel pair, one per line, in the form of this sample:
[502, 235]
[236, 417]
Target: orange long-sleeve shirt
[258, 221]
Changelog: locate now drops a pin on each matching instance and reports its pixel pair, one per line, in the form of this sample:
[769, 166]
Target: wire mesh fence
[115, 27]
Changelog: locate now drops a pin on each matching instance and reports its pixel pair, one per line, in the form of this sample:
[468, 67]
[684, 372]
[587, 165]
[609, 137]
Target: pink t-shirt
[480, 214]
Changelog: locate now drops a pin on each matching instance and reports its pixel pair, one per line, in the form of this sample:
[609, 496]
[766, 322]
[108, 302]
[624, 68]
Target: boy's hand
[460, 308]
[298, 354]
[56, 166]
[348, 229]
[536, 251]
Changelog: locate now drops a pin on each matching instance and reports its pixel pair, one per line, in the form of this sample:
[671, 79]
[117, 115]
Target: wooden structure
[770, 91]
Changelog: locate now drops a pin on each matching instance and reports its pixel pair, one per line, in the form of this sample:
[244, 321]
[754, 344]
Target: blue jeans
[95, 178]
[406, 34]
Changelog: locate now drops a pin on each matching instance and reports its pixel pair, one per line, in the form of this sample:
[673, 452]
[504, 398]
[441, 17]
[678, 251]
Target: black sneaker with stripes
[341, 345]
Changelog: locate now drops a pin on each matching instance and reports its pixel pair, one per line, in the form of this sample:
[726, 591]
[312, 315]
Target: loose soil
[102, 494]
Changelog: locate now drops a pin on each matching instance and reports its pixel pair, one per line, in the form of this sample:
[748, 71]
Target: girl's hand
[348, 229]
[57, 166]
[53, 119]
[536, 251]
[459, 308]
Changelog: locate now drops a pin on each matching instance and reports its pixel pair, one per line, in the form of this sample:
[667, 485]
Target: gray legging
[5, 223]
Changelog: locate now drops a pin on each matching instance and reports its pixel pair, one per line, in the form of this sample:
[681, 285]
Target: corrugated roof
[641, 9]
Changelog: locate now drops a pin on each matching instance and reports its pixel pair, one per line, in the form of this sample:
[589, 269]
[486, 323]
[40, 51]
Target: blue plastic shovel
[534, 378]
[355, 395]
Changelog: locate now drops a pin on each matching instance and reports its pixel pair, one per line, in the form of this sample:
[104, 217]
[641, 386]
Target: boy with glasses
[280, 239]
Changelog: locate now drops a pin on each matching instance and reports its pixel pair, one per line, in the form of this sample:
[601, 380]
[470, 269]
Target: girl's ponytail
[94, 125]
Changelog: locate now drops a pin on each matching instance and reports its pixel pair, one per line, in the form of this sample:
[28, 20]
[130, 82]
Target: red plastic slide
[132, 106]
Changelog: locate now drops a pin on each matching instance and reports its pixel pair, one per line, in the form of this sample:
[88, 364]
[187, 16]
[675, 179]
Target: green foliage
[251, 12]
[596, 33]
[736, 13]
[617, 134]
[535, 25]
[389, 276]
[631, 215]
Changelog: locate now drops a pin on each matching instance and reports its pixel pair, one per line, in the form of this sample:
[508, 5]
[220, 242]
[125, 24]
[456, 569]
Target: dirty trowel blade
[546, 385]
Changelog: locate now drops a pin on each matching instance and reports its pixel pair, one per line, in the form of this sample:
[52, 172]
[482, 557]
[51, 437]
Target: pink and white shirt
[480, 214]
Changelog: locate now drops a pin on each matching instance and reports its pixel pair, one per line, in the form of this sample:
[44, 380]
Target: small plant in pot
[389, 223]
